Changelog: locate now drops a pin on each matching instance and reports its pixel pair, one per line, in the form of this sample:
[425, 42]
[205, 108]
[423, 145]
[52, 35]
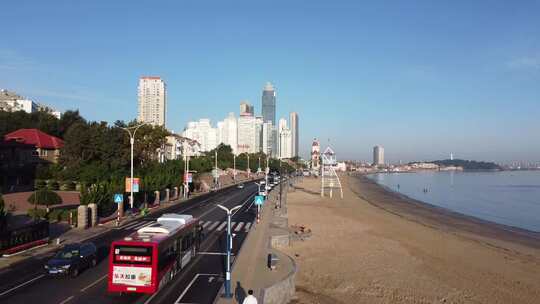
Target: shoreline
[376, 247]
[441, 218]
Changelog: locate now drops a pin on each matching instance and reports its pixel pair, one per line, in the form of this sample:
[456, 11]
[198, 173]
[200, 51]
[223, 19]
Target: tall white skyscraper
[246, 134]
[268, 139]
[285, 140]
[293, 119]
[258, 133]
[152, 100]
[230, 132]
[378, 155]
[203, 132]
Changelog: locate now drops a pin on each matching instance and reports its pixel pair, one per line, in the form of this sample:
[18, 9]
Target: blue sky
[421, 78]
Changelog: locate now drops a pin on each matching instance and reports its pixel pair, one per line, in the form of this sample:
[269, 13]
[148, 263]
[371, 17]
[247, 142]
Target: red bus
[149, 258]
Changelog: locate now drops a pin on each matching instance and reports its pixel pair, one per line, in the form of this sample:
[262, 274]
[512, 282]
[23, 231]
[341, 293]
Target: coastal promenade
[372, 247]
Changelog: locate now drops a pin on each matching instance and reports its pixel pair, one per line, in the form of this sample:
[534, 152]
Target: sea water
[507, 197]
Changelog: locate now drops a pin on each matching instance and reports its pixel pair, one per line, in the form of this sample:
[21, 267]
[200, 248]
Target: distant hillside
[468, 164]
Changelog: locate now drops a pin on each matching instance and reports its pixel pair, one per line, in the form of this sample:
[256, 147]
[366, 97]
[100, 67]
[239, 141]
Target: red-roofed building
[47, 147]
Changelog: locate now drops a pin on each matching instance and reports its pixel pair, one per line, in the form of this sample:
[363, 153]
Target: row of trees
[96, 156]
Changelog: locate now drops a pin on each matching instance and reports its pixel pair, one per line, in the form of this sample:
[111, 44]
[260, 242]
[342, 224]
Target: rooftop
[35, 137]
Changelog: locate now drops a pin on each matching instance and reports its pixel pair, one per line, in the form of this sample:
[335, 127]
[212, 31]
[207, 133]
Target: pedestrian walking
[250, 299]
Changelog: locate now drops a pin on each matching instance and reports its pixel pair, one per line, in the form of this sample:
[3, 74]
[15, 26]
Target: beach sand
[377, 247]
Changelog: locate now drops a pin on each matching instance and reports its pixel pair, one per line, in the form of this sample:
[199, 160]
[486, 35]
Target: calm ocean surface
[509, 197]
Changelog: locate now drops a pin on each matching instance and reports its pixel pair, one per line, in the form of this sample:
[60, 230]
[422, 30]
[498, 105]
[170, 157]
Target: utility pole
[248, 169]
[280, 183]
[132, 142]
[234, 167]
[216, 177]
[228, 293]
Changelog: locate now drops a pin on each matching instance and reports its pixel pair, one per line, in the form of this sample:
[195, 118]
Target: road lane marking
[21, 285]
[67, 300]
[239, 226]
[145, 224]
[206, 224]
[91, 285]
[248, 225]
[130, 225]
[221, 226]
[191, 283]
[214, 225]
[212, 253]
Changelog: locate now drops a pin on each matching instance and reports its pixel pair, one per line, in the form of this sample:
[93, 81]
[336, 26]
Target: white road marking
[142, 225]
[206, 224]
[248, 225]
[222, 226]
[212, 253]
[130, 225]
[67, 300]
[91, 285]
[21, 285]
[190, 284]
[239, 226]
[214, 225]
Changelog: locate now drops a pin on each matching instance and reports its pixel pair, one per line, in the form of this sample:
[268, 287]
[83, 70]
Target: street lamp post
[216, 177]
[228, 293]
[234, 167]
[248, 168]
[132, 142]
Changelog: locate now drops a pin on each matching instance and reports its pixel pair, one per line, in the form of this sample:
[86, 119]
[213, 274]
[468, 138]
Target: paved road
[199, 282]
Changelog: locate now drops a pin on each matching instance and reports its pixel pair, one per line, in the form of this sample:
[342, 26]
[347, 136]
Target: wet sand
[375, 246]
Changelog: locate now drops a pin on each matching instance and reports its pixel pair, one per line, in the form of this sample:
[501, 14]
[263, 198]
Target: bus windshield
[132, 254]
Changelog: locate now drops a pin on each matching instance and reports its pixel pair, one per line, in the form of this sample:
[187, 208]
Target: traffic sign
[136, 183]
[118, 198]
[259, 200]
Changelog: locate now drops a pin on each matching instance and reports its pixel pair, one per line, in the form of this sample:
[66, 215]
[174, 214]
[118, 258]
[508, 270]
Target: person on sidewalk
[250, 299]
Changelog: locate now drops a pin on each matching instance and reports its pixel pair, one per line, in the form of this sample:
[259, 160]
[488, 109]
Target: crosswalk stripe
[221, 226]
[206, 224]
[239, 226]
[214, 225]
[248, 225]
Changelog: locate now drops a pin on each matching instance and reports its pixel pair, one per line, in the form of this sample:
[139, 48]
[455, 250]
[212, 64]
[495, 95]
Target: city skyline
[437, 78]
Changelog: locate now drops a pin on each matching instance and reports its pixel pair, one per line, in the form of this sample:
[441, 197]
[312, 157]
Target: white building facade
[293, 119]
[202, 132]
[152, 101]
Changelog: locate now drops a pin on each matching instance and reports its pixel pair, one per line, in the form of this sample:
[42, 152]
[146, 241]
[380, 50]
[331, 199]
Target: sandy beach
[378, 247]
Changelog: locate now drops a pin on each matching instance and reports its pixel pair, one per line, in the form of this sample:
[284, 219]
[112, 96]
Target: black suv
[72, 259]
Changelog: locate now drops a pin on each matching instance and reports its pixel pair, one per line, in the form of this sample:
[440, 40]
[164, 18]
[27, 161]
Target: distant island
[467, 164]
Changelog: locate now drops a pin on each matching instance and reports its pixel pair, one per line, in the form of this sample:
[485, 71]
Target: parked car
[72, 259]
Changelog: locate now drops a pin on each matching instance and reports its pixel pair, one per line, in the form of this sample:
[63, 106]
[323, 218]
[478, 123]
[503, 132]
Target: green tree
[44, 197]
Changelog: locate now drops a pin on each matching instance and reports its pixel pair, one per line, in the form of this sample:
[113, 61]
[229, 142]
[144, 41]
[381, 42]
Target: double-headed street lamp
[228, 293]
[132, 131]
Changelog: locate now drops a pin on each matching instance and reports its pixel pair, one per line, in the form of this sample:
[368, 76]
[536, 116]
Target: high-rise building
[268, 139]
[378, 155]
[246, 134]
[285, 140]
[152, 101]
[293, 119]
[269, 103]
[230, 132]
[203, 132]
[246, 108]
[258, 134]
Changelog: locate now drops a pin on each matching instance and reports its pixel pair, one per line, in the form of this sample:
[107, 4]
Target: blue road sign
[118, 198]
[259, 199]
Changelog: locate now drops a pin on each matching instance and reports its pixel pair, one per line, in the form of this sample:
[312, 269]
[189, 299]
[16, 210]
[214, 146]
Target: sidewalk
[79, 235]
[250, 269]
